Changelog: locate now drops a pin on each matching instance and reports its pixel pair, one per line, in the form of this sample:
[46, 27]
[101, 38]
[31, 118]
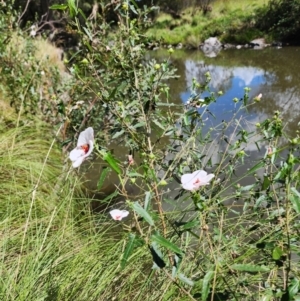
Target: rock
[277, 44]
[238, 46]
[179, 46]
[258, 43]
[213, 42]
[228, 46]
[211, 47]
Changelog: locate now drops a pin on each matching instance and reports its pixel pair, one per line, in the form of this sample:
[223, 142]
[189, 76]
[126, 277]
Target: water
[271, 72]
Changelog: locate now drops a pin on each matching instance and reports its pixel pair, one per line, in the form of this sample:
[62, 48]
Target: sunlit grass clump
[49, 244]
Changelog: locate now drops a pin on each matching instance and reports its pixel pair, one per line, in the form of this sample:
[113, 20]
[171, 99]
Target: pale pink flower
[193, 181]
[85, 145]
[117, 214]
[130, 160]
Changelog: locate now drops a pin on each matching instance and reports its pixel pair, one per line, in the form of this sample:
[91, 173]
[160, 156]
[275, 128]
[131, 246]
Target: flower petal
[118, 215]
[195, 180]
[78, 162]
[199, 174]
[76, 153]
[85, 136]
[209, 177]
[187, 181]
[188, 186]
[186, 178]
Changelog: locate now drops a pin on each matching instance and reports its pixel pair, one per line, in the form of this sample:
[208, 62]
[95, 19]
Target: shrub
[281, 19]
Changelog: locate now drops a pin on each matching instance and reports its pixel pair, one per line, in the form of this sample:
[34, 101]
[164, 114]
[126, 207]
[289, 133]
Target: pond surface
[272, 72]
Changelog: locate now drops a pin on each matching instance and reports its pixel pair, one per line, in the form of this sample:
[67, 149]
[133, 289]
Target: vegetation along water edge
[192, 230]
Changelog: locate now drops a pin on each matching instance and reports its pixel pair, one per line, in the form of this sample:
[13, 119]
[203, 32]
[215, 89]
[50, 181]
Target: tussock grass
[52, 247]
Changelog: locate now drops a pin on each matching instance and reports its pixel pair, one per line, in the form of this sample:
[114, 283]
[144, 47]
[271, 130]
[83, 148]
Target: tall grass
[52, 246]
[49, 246]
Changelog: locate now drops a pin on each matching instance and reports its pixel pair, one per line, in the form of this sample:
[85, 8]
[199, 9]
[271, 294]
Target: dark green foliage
[281, 19]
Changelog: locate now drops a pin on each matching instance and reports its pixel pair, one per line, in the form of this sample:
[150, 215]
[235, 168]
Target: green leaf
[59, 6]
[143, 213]
[191, 224]
[139, 125]
[148, 195]
[276, 213]
[82, 14]
[157, 256]
[277, 253]
[87, 44]
[166, 243]
[113, 163]
[259, 201]
[249, 268]
[159, 124]
[186, 280]
[206, 284]
[66, 142]
[176, 264]
[273, 155]
[256, 167]
[266, 183]
[247, 188]
[118, 134]
[293, 288]
[109, 197]
[103, 175]
[134, 175]
[128, 249]
[295, 192]
[72, 8]
[88, 33]
[133, 9]
[295, 199]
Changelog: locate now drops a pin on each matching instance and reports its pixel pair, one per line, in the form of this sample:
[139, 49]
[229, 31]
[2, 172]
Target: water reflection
[272, 72]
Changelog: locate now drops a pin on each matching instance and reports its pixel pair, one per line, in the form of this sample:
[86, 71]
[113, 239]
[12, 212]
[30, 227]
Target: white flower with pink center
[118, 215]
[193, 181]
[84, 148]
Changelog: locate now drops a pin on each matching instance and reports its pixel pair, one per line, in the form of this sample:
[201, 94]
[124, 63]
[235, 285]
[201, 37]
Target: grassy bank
[232, 21]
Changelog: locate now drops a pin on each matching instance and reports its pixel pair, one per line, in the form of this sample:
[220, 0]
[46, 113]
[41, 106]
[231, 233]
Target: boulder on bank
[211, 47]
[258, 43]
